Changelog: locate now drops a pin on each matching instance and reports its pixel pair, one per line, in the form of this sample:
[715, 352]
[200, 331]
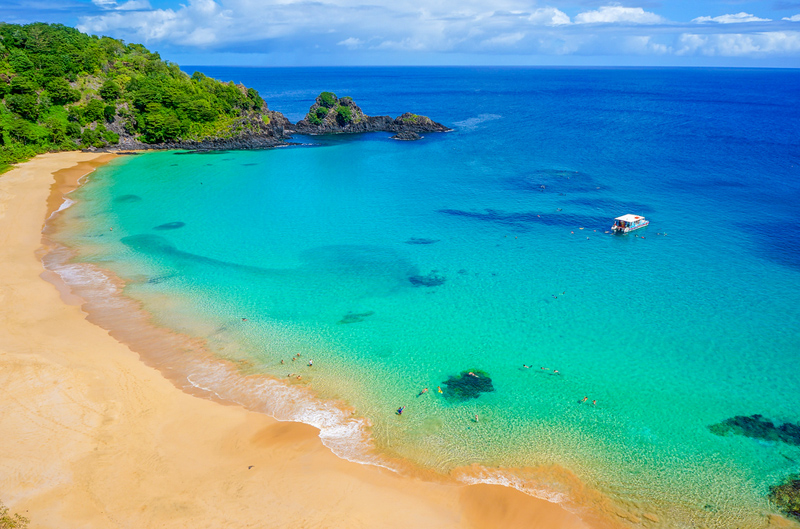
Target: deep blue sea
[635, 345]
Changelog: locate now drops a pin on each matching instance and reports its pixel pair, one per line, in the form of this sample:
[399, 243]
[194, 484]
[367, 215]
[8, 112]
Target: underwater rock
[170, 226]
[355, 317]
[787, 497]
[419, 240]
[757, 427]
[128, 199]
[467, 385]
[431, 280]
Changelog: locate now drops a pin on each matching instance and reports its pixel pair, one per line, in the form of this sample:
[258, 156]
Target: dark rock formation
[170, 226]
[431, 280]
[787, 497]
[355, 317]
[467, 385]
[255, 130]
[128, 199]
[757, 427]
[417, 240]
[406, 135]
[331, 115]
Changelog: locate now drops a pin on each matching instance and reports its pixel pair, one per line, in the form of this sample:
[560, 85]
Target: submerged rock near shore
[332, 115]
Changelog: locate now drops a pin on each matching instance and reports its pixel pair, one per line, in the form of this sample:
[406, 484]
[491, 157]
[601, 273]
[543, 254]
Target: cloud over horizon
[450, 26]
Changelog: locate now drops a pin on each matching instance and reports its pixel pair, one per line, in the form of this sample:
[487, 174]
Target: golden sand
[92, 437]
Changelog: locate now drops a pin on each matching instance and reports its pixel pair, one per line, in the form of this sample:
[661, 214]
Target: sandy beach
[92, 437]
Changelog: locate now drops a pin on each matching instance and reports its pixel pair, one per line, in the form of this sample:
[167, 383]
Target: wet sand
[92, 437]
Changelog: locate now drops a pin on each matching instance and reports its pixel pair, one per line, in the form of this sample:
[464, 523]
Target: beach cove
[92, 437]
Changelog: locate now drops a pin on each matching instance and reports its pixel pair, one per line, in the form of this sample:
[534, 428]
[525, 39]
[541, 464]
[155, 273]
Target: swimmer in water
[310, 363]
[585, 399]
[439, 389]
[400, 410]
[476, 417]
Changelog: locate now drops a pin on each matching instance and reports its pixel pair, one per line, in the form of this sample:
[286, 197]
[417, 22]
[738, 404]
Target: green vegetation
[318, 115]
[412, 118]
[61, 89]
[327, 99]
[11, 521]
[343, 115]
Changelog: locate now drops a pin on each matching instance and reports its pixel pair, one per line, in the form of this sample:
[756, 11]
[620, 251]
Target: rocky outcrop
[406, 135]
[332, 115]
[267, 128]
[787, 497]
[254, 130]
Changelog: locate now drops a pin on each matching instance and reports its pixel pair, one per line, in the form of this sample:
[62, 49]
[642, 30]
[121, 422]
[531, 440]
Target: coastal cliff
[63, 90]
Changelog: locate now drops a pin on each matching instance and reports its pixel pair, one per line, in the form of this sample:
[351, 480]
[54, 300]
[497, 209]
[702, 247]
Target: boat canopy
[630, 218]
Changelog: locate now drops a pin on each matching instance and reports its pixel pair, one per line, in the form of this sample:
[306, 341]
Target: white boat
[628, 223]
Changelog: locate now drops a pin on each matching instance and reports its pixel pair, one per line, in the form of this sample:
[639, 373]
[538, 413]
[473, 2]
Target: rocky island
[63, 90]
[332, 115]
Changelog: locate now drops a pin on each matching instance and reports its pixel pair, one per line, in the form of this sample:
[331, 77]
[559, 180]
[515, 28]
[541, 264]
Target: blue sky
[748, 33]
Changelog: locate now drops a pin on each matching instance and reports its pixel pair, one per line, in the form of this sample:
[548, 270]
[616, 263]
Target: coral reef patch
[467, 385]
[433, 279]
[419, 240]
[787, 497]
[127, 199]
[355, 317]
[757, 427]
[170, 226]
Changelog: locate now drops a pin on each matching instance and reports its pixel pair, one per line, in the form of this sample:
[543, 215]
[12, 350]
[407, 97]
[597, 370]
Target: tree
[327, 99]
[110, 91]
[344, 115]
[26, 105]
[109, 112]
[94, 110]
[61, 92]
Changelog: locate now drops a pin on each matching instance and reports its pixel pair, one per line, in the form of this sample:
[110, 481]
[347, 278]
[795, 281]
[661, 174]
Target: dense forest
[64, 90]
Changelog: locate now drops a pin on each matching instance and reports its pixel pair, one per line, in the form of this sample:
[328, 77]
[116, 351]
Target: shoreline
[95, 437]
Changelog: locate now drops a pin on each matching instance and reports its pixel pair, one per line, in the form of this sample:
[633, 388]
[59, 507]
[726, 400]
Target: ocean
[470, 279]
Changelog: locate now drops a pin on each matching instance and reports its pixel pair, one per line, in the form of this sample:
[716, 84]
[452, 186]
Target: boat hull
[623, 231]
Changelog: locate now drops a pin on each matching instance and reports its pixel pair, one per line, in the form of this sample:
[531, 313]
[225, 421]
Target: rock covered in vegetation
[332, 115]
[787, 497]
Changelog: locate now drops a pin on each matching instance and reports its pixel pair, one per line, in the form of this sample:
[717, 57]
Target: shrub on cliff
[327, 99]
[344, 115]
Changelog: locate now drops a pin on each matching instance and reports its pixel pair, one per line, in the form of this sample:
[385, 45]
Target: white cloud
[549, 16]
[352, 43]
[740, 45]
[618, 15]
[503, 41]
[130, 5]
[793, 18]
[352, 27]
[731, 19]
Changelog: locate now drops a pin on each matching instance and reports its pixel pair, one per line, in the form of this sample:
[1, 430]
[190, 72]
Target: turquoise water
[309, 250]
